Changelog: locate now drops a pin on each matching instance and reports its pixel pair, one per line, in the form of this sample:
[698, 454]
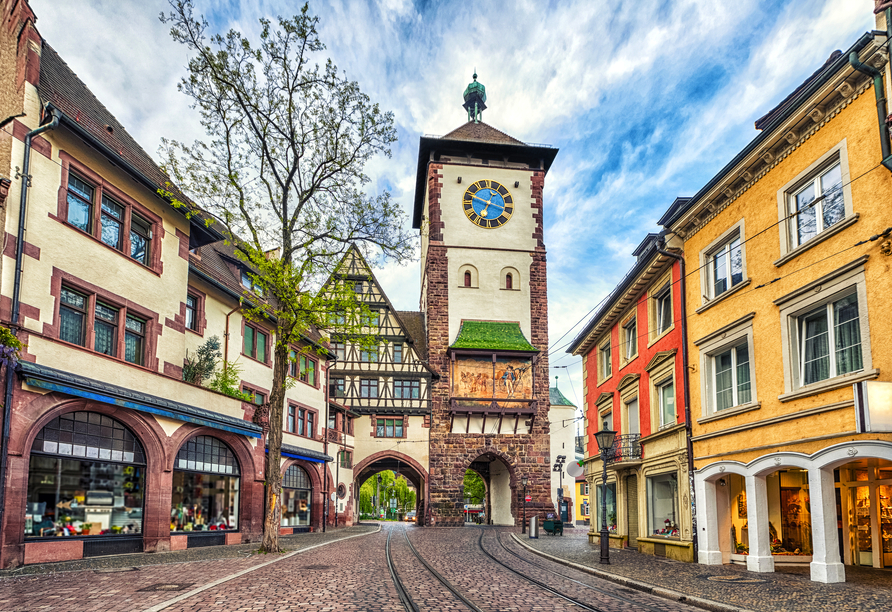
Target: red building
[634, 377]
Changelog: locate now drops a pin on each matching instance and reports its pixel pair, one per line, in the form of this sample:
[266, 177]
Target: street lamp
[559, 468]
[378, 498]
[523, 481]
[605, 439]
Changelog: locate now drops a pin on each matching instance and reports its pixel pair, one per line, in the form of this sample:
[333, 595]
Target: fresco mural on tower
[506, 378]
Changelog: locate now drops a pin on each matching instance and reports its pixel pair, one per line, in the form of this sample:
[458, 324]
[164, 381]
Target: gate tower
[478, 206]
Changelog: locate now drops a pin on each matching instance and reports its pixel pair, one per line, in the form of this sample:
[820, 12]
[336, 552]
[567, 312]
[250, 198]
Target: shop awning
[81, 386]
[307, 454]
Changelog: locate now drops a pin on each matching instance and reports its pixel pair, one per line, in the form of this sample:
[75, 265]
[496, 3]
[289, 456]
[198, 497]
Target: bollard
[534, 527]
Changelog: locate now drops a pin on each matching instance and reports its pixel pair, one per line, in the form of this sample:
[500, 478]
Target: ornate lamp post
[605, 439]
[523, 481]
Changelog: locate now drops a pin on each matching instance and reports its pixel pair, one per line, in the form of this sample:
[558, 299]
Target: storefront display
[205, 487]
[611, 506]
[662, 505]
[789, 513]
[740, 533]
[86, 478]
[297, 495]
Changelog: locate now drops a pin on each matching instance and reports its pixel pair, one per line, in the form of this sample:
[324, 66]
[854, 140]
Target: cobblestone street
[787, 590]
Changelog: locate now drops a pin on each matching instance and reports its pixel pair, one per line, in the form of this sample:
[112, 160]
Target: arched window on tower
[509, 281]
[467, 279]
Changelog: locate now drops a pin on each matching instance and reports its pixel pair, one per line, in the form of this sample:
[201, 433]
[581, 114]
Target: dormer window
[249, 284]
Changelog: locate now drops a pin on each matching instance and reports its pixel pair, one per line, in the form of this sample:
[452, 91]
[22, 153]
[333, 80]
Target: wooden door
[632, 510]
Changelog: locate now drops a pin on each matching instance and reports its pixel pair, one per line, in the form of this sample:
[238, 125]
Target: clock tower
[478, 206]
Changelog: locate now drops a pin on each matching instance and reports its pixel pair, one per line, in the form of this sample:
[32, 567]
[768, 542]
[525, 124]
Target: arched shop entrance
[402, 465]
[500, 489]
[205, 497]
[297, 499]
[87, 480]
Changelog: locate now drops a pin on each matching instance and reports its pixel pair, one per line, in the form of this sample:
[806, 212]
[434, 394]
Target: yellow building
[582, 508]
[786, 291]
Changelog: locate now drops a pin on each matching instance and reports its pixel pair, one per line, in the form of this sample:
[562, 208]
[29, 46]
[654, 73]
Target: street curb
[699, 602]
[219, 581]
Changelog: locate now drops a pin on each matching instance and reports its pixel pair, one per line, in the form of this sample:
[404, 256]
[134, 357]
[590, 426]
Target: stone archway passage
[403, 465]
[500, 492]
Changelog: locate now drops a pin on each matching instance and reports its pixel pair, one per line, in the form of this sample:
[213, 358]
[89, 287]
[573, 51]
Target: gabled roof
[481, 132]
[492, 336]
[766, 119]
[413, 325]
[82, 112]
[556, 398]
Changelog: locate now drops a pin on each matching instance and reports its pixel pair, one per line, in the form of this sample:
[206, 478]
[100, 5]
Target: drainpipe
[687, 396]
[16, 301]
[880, 93]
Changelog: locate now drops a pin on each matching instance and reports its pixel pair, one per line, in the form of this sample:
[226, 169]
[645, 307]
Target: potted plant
[85, 528]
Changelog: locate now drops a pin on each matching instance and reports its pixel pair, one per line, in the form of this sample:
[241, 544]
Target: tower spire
[475, 99]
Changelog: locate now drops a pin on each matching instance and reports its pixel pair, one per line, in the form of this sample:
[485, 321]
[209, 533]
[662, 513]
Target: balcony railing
[335, 436]
[626, 448]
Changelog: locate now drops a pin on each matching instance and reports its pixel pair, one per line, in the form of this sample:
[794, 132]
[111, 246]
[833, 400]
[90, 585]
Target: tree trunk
[273, 473]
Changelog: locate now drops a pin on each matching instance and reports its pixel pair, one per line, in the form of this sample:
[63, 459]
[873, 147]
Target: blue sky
[646, 99]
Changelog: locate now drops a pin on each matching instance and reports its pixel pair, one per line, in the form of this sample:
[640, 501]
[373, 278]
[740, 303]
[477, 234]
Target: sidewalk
[117, 563]
[727, 586]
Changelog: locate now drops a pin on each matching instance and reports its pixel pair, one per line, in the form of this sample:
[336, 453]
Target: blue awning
[307, 454]
[81, 386]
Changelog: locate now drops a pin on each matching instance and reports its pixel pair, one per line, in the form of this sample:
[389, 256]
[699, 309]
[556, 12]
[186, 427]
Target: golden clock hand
[488, 202]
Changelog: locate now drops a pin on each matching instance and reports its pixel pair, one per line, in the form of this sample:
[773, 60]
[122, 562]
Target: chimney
[21, 29]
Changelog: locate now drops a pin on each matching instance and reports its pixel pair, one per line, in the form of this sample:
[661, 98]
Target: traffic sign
[529, 498]
[334, 496]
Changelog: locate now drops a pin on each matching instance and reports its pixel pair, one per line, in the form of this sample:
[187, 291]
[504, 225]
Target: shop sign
[873, 406]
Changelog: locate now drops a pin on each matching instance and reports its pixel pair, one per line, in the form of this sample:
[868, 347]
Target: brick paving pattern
[787, 590]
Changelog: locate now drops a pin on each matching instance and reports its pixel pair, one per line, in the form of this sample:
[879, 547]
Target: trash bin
[534, 527]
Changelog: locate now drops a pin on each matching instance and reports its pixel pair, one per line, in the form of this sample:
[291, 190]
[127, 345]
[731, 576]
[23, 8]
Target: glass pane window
[80, 203]
[134, 340]
[255, 343]
[663, 303]
[397, 353]
[666, 393]
[338, 387]
[398, 428]
[726, 268]
[105, 329]
[662, 505]
[817, 361]
[732, 377]
[368, 388]
[301, 421]
[369, 355]
[815, 214]
[72, 316]
[389, 428]
[297, 493]
[291, 419]
[406, 389]
[604, 355]
[311, 424]
[191, 312]
[204, 501]
[140, 239]
[112, 223]
[631, 339]
[340, 350]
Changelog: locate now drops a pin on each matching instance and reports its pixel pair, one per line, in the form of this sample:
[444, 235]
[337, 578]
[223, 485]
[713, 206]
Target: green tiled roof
[493, 336]
[556, 398]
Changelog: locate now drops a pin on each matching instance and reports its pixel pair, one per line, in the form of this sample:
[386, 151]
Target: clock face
[488, 204]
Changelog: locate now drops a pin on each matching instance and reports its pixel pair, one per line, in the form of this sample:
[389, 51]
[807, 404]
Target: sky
[647, 100]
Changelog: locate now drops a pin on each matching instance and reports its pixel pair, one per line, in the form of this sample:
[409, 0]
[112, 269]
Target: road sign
[529, 498]
[560, 493]
[334, 496]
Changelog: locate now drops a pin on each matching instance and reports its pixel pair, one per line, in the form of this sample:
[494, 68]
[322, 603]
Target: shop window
[368, 388]
[205, 487]
[397, 353]
[406, 389]
[255, 343]
[788, 500]
[389, 428]
[662, 505]
[611, 506]
[86, 477]
[107, 320]
[297, 496]
[630, 339]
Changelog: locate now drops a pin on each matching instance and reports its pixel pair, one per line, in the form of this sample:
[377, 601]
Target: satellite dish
[574, 470]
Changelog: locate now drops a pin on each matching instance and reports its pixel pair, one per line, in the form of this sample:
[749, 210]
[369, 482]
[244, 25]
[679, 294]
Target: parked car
[410, 517]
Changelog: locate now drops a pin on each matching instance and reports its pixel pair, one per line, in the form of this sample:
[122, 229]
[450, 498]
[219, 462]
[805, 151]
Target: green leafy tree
[201, 365]
[475, 488]
[282, 169]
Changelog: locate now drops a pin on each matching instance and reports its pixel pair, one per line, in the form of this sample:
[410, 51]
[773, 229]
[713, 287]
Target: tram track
[404, 595]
